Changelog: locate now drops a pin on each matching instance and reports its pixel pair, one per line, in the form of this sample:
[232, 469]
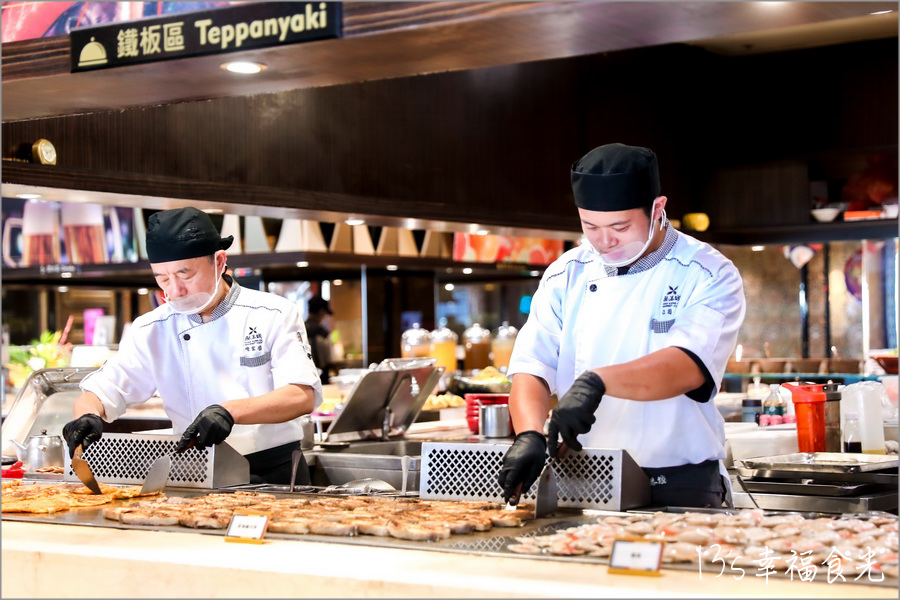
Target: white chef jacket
[254, 344]
[584, 315]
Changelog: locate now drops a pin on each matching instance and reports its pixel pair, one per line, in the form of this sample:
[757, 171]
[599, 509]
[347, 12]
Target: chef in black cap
[230, 363]
[631, 330]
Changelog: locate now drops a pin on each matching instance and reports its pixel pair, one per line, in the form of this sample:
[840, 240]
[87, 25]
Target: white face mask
[630, 252]
[193, 303]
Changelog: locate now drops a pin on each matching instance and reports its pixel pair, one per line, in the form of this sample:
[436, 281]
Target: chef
[632, 330]
[230, 363]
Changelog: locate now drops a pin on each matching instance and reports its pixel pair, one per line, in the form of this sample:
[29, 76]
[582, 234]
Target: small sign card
[636, 557]
[247, 526]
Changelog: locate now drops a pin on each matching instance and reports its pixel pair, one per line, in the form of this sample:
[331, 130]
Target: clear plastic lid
[477, 334]
[443, 333]
[416, 336]
[506, 332]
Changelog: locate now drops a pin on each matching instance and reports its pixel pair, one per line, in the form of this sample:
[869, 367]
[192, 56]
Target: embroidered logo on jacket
[304, 344]
[670, 300]
[253, 341]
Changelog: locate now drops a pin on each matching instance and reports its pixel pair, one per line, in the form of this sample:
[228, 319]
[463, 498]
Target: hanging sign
[235, 28]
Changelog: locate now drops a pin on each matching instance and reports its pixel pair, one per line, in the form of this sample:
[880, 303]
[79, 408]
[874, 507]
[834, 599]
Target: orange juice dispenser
[502, 346]
[477, 342]
[443, 347]
[415, 342]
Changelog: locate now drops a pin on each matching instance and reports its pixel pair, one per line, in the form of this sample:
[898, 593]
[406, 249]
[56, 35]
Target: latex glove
[211, 426]
[574, 414]
[85, 430]
[522, 464]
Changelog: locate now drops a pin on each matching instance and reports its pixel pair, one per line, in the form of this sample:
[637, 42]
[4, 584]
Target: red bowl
[888, 363]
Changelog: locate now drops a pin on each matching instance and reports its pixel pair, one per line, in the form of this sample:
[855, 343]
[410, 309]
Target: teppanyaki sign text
[243, 27]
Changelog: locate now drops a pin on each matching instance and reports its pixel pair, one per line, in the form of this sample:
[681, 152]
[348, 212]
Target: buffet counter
[48, 560]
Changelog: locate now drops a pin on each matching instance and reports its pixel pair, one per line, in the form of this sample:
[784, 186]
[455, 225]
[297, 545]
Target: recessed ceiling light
[757, 248]
[143, 291]
[467, 271]
[212, 211]
[353, 221]
[243, 67]
[482, 232]
[535, 273]
[449, 287]
[303, 263]
[338, 282]
[392, 267]
[62, 289]
[66, 274]
[29, 196]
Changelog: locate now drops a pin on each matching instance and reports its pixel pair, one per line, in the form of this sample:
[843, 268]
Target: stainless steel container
[832, 418]
[493, 420]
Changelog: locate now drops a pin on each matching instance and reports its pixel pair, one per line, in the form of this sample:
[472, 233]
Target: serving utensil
[83, 471]
[158, 473]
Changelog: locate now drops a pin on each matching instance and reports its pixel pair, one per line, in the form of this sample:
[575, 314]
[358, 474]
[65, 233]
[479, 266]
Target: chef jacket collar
[649, 261]
[223, 307]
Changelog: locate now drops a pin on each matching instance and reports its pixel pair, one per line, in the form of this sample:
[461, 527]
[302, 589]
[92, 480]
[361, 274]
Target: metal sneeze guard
[126, 458]
[593, 478]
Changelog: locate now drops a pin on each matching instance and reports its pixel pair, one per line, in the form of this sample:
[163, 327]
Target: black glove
[574, 414]
[211, 426]
[522, 463]
[84, 430]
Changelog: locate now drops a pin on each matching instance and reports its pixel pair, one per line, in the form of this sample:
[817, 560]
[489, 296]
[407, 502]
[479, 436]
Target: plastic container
[477, 342]
[809, 403]
[415, 342]
[751, 409]
[443, 347]
[773, 404]
[851, 439]
[864, 399]
[502, 345]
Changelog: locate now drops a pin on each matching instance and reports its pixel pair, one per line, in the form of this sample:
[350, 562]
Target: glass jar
[443, 347]
[477, 342]
[502, 345]
[415, 342]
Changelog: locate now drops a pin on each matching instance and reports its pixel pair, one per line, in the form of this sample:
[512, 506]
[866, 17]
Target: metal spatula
[83, 471]
[546, 498]
[158, 473]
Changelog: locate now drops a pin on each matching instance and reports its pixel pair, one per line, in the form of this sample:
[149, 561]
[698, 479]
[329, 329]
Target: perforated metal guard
[598, 478]
[126, 458]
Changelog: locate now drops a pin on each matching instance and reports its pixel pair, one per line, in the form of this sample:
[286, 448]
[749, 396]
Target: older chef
[229, 362]
[632, 329]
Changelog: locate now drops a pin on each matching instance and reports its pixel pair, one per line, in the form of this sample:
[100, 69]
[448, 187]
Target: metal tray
[823, 462]
[811, 489]
[887, 478]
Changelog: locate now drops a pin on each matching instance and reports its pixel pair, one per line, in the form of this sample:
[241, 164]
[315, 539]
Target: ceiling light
[66, 274]
[303, 263]
[391, 267]
[143, 291]
[482, 232]
[449, 287]
[243, 67]
[535, 273]
[62, 289]
[338, 282]
[757, 248]
[352, 221]
[467, 271]
[881, 12]
[212, 211]
[29, 196]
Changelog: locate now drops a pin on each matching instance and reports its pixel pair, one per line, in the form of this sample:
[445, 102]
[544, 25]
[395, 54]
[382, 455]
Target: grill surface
[598, 478]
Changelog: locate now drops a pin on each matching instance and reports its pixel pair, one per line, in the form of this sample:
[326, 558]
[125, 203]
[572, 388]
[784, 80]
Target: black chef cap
[317, 303]
[182, 233]
[615, 177]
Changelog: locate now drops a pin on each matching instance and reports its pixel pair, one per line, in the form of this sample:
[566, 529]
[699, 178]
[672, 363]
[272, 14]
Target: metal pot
[41, 451]
[493, 420]
[309, 440]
